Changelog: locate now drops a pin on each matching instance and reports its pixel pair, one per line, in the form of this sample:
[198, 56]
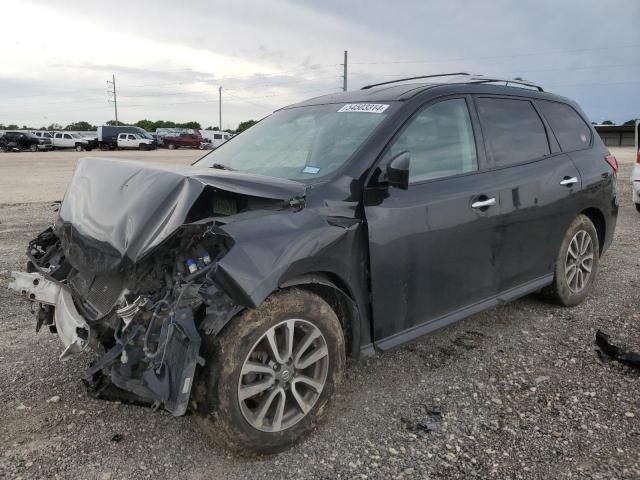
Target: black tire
[637, 207]
[142, 146]
[79, 147]
[560, 291]
[33, 148]
[172, 146]
[216, 391]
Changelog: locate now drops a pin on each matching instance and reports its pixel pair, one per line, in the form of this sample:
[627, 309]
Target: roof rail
[366, 87]
[507, 81]
[469, 78]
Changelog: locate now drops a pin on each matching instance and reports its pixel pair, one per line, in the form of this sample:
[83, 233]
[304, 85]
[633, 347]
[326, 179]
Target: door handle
[567, 181]
[484, 203]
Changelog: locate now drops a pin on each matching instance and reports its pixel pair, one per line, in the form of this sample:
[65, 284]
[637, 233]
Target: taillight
[638, 157]
[611, 160]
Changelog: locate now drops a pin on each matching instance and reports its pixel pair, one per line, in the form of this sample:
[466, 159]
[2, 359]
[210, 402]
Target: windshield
[299, 143]
[76, 135]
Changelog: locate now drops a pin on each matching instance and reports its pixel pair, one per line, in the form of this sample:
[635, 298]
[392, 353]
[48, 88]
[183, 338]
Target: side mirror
[398, 171]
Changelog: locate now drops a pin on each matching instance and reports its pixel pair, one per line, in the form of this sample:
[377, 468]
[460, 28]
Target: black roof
[405, 91]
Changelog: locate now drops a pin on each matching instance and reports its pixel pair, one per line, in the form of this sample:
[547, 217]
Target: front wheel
[172, 146]
[33, 148]
[576, 264]
[79, 148]
[271, 373]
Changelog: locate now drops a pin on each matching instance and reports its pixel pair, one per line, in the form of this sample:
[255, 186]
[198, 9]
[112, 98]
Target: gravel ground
[514, 392]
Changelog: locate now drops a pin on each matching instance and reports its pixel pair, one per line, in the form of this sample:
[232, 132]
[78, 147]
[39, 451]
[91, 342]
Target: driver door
[432, 250]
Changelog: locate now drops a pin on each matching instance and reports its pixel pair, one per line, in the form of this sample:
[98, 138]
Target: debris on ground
[429, 423]
[626, 357]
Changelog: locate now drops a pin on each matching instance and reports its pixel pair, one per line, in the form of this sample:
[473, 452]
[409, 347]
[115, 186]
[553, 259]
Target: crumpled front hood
[121, 210]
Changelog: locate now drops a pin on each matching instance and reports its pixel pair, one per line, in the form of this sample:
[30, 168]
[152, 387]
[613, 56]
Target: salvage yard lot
[522, 392]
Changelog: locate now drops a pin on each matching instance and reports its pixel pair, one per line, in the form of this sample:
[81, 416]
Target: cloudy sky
[169, 57]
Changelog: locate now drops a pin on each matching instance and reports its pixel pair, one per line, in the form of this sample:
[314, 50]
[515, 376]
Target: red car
[182, 140]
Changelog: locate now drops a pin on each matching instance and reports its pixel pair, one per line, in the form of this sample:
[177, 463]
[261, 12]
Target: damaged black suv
[346, 224]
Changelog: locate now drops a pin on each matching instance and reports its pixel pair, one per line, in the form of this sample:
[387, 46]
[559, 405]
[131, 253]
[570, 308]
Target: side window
[513, 131]
[58, 135]
[67, 136]
[217, 136]
[440, 141]
[132, 137]
[571, 130]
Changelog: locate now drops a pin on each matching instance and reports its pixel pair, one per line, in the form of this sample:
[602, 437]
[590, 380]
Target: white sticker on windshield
[364, 107]
[311, 170]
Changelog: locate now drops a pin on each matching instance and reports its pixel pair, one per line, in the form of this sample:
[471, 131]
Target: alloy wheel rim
[283, 375]
[579, 261]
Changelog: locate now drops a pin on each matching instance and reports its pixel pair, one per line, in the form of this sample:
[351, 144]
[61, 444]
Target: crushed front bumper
[70, 326]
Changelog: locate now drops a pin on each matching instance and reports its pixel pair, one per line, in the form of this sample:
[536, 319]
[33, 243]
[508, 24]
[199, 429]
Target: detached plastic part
[626, 357]
[171, 381]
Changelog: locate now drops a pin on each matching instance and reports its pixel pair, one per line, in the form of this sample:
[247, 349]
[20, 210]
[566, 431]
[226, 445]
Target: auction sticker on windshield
[364, 107]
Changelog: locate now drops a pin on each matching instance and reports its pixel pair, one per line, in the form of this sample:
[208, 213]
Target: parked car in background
[635, 175]
[351, 222]
[133, 140]
[19, 140]
[216, 137]
[189, 140]
[71, 140]
[107, 136]
[43, 134]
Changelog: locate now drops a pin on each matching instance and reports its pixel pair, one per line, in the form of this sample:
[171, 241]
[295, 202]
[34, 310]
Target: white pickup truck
[71, 140]
[133, 140]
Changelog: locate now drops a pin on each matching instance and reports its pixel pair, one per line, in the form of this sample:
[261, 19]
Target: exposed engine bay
[142, 301]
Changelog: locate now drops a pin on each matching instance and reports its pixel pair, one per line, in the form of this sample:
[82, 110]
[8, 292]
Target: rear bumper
[70, 326]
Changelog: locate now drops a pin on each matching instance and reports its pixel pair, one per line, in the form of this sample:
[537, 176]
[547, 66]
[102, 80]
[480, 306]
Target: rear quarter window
[570, 129]
[513, 131]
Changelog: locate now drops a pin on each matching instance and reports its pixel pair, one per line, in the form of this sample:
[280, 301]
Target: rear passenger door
[537, 186]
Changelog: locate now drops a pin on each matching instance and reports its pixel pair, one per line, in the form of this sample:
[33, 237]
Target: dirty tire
[559, 290]
[172, 146]
[217, 385]
[79, 148]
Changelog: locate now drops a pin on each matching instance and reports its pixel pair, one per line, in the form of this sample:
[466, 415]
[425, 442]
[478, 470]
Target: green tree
[607, 122]
[80, 126]
[55, 126]
[13, 126]
[242, 126]
[630, 122]
[113, 123]
[147, 125]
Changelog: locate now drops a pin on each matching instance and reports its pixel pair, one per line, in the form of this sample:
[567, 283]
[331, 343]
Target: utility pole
[220, 106]
[344, 75]
[113, 92]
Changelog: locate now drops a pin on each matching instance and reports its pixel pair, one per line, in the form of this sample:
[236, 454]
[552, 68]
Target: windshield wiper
[220, 166]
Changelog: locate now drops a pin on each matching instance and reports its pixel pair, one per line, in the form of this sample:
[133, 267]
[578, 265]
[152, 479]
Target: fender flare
[340, 301]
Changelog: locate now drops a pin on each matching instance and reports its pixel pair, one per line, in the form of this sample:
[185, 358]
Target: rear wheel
[637, 207]
[272, 372]
[79, 147]
[33, 148]
[172, 146]
[577, 263]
